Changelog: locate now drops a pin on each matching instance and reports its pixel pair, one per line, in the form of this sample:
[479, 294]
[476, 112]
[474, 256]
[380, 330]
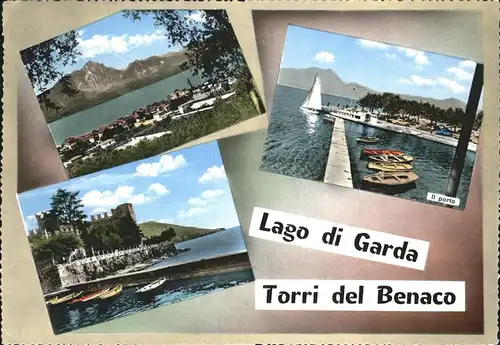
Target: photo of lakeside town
[138, 83]
[408, 127]
[135, 237]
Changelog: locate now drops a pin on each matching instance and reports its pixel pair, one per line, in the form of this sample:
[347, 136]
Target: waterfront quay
[217, 265]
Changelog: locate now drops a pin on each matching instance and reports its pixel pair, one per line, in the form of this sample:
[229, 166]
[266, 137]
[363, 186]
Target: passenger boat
[90, 296]
[391, 158]
[153, 285]
[111, 293]
[57, 300]
[368, 140]
[391, 178]
[370, 152]
[389, 166]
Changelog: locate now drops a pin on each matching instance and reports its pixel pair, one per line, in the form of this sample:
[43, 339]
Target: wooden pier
[338, 167]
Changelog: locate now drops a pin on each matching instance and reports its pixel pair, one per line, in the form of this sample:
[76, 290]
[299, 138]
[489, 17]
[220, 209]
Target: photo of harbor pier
[414, 146]
[135, 237]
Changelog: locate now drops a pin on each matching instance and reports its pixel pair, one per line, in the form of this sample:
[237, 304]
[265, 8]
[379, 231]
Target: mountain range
[95, 83]
[332, 84]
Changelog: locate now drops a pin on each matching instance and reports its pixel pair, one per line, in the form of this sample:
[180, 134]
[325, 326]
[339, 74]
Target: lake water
[66, 318]
[224, 242]
[92, 118]
[298, 146]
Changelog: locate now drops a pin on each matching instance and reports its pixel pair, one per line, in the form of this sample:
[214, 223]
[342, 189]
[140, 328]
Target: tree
[50, 222]
[168, 234]
[57, 247]
[103, 235]
[67, 208]
[129, 231]
[478, 120]
[44, 62]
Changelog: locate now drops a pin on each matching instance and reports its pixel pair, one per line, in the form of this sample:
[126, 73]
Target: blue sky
[379, 66]
[186, 187]
[116, 41]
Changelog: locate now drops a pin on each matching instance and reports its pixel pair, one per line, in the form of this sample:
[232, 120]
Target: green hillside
[155, 228]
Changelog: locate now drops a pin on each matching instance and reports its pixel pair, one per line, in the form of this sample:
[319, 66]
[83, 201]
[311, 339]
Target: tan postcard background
[459, 252]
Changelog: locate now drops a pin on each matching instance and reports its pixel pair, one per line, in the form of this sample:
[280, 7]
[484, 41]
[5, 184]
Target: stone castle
[121, 211]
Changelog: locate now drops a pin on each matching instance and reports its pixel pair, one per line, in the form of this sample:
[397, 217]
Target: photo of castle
[135, 237]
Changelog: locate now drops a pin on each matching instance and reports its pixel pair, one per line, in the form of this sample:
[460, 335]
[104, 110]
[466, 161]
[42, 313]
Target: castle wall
[95, 267]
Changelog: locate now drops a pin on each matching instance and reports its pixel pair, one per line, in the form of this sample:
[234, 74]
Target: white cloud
[198, 16]
[420, 81]
[390, 56]
[106, 44]
[372, 44]
[211, 193]
[108, 199]
[164, 220]
[459, 73]
[467, 64]
[418, 56]
[404, 81]
[124, 192]
[99, 210]
[213, 173]
[140, 199]
[204, 199]
[31, 217]
[158, 189]
[324, 57]
[451, 85]
[139, 40]
[194, 211]
[167, 163]
[197, 201]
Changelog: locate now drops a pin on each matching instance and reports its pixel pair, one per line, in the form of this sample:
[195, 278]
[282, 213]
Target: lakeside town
[147, 123]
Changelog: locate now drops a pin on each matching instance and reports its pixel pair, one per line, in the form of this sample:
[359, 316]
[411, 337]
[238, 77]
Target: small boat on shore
[153, 285]
[391, 178]
[90, 296]
[391, 158]
[57, 300]
[370, 152]
[389, 166]
[368, 140]
[111, 293]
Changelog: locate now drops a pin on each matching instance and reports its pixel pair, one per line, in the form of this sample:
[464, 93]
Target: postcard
[139, 83]
[135, 237]
[374, 116]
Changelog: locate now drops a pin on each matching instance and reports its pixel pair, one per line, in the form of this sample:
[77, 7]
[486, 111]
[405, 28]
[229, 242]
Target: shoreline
[111, 98]
[449, 141]
[323, 93]
[216, 265]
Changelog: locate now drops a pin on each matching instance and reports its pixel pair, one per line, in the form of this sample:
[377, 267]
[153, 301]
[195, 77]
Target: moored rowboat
[392, 158]
[389, 166]
[66, 298]
[153, 285]
[111, 293]
[391, 178]
[370, 152]
[368, 140]
[90, 296]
